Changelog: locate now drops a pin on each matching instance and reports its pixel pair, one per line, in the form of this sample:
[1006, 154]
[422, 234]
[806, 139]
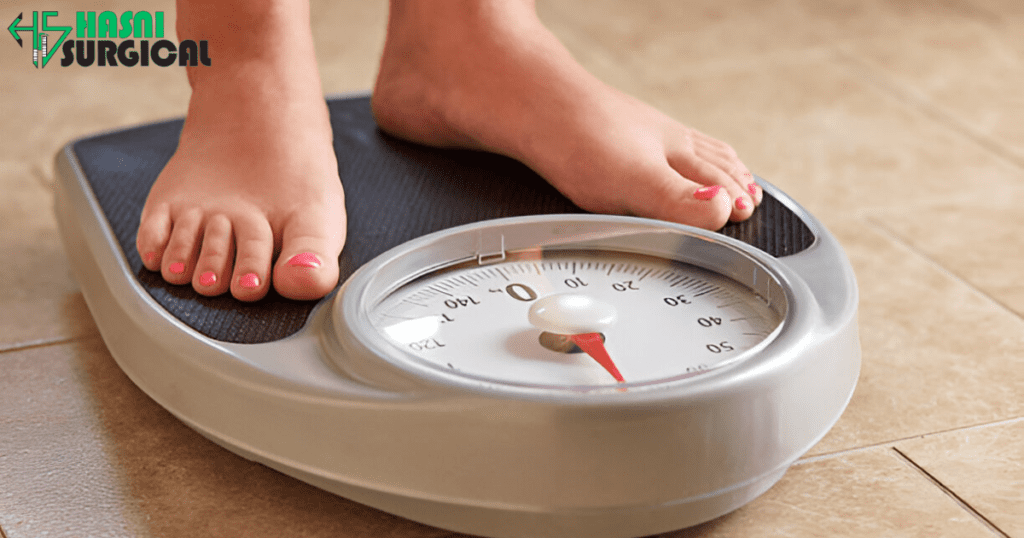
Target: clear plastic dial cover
[659, 320]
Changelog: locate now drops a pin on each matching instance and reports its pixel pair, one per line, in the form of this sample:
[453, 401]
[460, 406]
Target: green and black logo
[107, 39]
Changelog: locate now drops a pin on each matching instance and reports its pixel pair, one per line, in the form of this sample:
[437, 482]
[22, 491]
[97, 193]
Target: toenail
[306, 259]
[149, 257]
[752, 189]
[207, 279]
[176, 268]
[741, 203]
[707, 193]
[249, 280]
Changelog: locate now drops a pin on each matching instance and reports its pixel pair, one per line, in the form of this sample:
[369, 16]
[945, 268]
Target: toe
[179, 258]
[709, 164]
[753, 189]
[677, 199]
[154, 232]
[308, 266]
[254, 248]
[212, 275]
[724, 157]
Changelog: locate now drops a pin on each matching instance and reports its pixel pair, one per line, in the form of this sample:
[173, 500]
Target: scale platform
[257, 379]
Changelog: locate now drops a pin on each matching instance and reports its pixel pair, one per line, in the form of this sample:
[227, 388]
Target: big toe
[674, 198]
[308, 266]
[154, 232]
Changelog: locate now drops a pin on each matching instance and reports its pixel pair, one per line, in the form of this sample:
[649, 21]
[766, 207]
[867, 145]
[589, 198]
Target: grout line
[892, 442]
[886, 83]
[42, 177]
[847, 451]
[880, 226]
[952, 494]
[22, 346]
[994, 423]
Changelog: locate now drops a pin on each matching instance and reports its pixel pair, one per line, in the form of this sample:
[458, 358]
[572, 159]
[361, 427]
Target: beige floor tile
[835, 143]
[53, 105]
[599, 61]
[839, 20]
[40, 301]
[937, 354]
[870, 494]
[349, 37]
[979, 238]
[184, 485]
[970, 72]
[677, 35]
[837, 135]
[655, 47]
[983, 466]
[1003, 10]
[57, 475]
[81, 432]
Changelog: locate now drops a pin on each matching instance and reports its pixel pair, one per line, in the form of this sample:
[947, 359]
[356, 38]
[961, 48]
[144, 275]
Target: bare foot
[488, 75]
[254, 176]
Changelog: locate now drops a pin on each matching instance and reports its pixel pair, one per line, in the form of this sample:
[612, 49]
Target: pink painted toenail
[149, 257]
[176, 268]
[741, 203]
[249, 280]
[306, 259]
[207, 279]
[707, 193]
[752, 189]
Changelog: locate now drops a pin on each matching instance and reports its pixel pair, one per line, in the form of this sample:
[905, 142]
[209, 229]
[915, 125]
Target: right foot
[254, 176]
[488, 75]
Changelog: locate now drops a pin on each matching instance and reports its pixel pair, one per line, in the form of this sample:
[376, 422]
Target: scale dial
[601, 304]
[660, 320]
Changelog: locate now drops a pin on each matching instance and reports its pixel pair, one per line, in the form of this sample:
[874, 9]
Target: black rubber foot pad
[395, 191]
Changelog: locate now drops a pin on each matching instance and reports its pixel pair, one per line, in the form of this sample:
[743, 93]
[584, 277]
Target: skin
[255, 178]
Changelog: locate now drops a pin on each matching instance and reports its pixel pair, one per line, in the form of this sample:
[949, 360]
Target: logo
[106, 39]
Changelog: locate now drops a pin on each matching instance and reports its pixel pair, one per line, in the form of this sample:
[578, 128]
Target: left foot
[488, 75]
[254, 176]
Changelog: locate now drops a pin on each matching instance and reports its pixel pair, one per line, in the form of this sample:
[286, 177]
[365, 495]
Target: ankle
[446, 13]
[432, 24]
[245, 35]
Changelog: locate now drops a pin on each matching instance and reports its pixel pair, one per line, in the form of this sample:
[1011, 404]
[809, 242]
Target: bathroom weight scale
[496, 362]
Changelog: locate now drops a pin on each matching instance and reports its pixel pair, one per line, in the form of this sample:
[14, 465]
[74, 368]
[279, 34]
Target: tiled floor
[899, 123]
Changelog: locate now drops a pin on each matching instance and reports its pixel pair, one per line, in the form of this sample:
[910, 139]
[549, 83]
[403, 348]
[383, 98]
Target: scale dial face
[579, 320]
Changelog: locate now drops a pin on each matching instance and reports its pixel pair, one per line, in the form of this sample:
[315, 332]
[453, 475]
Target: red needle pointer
[592, 344]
